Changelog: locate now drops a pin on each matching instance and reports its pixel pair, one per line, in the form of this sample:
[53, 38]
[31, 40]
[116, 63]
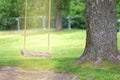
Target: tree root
[113, 59]
[97, 61]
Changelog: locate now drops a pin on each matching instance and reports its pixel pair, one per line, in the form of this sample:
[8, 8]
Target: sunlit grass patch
[65, 46]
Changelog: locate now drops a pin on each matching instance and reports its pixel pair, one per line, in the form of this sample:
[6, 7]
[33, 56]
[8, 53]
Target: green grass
[65, 47]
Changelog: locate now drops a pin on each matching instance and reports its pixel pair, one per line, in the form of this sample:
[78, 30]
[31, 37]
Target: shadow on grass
[56, 64]
[87, 70]
[67, 65]
[29, 63]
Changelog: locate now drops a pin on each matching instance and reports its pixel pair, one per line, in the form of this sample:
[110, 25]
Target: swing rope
[49, 16]
[25, 25]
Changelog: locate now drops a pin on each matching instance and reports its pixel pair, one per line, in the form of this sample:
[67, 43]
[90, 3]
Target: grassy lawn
[65, 47]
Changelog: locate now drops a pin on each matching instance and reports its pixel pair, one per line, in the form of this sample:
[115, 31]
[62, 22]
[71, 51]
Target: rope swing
[49, 17]
[37, 54]
[25, 24]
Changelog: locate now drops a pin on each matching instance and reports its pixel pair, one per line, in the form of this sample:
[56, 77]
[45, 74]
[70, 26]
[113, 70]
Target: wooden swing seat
[36, 54]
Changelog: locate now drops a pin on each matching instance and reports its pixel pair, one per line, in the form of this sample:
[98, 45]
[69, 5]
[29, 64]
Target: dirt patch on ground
[15, 73]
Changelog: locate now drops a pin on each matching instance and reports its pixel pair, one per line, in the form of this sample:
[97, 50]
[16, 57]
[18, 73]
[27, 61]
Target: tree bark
[58, 18]
[101, 40]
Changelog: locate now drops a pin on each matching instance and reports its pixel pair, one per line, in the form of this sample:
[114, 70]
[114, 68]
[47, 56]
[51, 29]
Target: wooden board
[36, 54]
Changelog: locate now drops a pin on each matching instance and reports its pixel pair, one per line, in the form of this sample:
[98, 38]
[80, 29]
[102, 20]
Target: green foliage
[77, 8]
[10, 9]
[76, 11]
[118, 9]
[36, 9]
[64, 4]
[15, 8]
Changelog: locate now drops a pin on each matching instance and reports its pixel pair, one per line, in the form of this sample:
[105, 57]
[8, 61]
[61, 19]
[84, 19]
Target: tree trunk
[58, 19]
[101, 41]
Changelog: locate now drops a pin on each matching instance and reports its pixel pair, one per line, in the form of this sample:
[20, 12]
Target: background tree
[101, 41]
[60, 5]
